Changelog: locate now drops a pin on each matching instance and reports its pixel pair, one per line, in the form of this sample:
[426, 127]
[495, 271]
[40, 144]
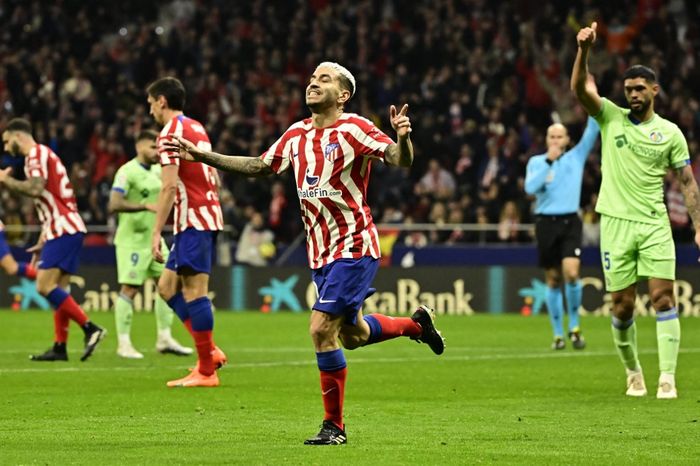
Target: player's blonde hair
[343, 72]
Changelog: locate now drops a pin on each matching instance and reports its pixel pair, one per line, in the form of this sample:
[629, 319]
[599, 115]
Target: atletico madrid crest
[331, 151]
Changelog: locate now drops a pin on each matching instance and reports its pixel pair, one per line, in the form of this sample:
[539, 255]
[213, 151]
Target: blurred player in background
[134, 193]
[331, 154]
[638, 148]
[555, 180]
[192, 188]
[62, 234]
[9, 264]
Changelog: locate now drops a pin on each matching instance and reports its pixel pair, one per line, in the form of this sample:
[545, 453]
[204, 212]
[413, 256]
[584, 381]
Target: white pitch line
[307, 362]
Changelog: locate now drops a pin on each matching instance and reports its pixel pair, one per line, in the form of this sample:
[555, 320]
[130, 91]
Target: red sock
[25, 269]
[73, 310]
[188, 325]
[205, 345]
[393, 327]
[60, 326]
[333, 393]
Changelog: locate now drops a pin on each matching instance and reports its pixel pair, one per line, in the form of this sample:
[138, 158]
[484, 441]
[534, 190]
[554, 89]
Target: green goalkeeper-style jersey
[635, 159]
[139, 184]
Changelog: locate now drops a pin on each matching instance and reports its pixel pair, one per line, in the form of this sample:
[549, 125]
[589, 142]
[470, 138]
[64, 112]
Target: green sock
[668, 337]
[123, 312]
[164, 315]
[625, 337]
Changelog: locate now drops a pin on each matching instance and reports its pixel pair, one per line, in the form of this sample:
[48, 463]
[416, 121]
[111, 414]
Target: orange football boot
[196, 379]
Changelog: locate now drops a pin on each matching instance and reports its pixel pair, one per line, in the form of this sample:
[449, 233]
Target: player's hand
[151, 207]
[400, 121]
[155, 249]
[697, 240]
[554, 152]
[186, 149]
[5, 173]
[586, 36]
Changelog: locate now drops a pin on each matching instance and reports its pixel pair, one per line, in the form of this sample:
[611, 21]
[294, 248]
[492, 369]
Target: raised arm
[581, 82]
[401, 153]
[249, 166]
[689, 188]
[33, 187]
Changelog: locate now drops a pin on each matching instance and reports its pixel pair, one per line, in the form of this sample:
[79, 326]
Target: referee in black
[554, 178]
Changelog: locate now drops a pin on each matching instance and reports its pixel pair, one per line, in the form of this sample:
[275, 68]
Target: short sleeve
[607, 111]
[373, 141]
[121, 181]
[168, 157]
[680, 156]
[34, 166]
[278, 156]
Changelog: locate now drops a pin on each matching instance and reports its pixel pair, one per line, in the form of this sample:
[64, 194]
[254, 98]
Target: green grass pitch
[497, 395]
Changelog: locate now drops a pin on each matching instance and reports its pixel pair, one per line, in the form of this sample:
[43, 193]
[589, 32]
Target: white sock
[125, 340]
[665, 377]
[636, 371]
[164, 335]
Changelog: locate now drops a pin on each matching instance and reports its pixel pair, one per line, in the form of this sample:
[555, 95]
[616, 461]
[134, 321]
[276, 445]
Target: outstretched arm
[33, 187]
[689, 188]
[249, 166]
[581, 82]
[401, 153]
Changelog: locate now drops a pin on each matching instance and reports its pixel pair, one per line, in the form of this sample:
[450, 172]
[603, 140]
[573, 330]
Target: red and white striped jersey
[56, 206]
[332, 166]
[197, 199]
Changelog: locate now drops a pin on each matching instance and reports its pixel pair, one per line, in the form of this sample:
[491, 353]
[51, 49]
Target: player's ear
[655, 89]
[344, 96]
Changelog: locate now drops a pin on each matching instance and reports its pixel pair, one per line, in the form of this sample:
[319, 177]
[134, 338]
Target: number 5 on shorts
[606, 260]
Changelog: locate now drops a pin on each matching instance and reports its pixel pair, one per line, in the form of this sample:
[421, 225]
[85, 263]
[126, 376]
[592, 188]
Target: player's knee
[661, 299]
[623, 307]
[350, 342]
[45, 287]
[321, 333]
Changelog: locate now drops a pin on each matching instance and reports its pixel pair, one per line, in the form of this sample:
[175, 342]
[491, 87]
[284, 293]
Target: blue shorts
[4, 248]
[62, 253]
[343, 285]
[192, 249]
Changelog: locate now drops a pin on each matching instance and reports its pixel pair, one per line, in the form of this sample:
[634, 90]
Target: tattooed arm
[690, 191]
[249, 166]
[33, 187]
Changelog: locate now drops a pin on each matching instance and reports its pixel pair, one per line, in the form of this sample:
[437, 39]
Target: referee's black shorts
[558, 236]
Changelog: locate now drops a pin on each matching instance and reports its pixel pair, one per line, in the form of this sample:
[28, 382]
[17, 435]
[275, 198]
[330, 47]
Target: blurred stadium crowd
[483, 79]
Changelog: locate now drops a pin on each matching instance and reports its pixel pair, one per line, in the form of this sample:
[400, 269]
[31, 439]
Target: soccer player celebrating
[638, 148]
[331, 154]
[555, 179]
[9, 264]
[134, 193]
[192, 188]
[62, 230]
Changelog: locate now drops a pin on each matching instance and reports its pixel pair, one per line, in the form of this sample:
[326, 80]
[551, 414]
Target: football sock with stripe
[333, 369]
[123, 314]
[668, 337]
[555, 309]
[625, 337]
[384, 328]
[62, 301]
[25, 269]
[179, 306]
[202, 320]
[573, 303]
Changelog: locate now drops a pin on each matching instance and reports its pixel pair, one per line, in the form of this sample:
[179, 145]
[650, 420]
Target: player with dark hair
[555, 180]
[62, 233]
[134, 193]
[192, 188]
[331, 154]
[638, 148]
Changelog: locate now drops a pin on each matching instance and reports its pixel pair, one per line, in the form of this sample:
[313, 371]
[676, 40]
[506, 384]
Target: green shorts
[631, 251]
[135, 265]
